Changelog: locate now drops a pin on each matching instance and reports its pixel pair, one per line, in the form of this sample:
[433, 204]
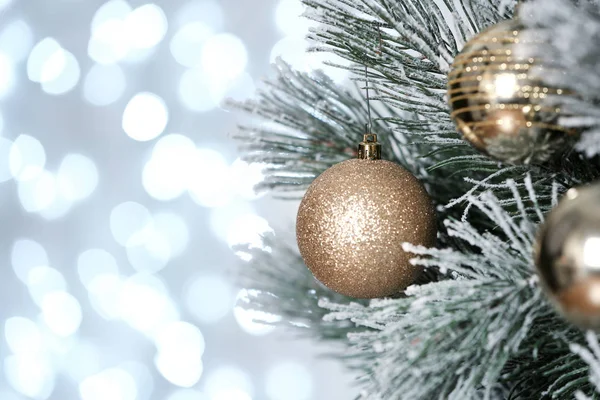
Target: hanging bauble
[498, 104]
[353, 221]
[568, 256]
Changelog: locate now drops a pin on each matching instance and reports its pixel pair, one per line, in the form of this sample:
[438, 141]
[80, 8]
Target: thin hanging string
[370, 123]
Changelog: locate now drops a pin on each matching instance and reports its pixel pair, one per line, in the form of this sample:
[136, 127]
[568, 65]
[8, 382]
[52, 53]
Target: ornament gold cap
[369, 148]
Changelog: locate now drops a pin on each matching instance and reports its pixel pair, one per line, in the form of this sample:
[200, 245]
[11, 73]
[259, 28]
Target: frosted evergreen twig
[287, 290]
[475, 335]
[591, 356]
[568, 33]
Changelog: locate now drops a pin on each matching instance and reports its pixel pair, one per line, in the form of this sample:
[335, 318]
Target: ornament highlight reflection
[591, 252]
[505, 85]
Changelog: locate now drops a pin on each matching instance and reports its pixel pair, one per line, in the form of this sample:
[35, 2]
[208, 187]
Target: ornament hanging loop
[369, 148]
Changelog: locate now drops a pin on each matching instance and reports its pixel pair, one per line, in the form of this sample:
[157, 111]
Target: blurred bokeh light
[124, 199]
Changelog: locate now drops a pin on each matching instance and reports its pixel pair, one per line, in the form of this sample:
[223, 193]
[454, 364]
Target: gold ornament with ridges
[353, 221]
[567, 256]
[498, 105]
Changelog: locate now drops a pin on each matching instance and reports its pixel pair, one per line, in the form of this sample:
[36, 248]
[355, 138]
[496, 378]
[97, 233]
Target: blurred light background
[122, 194]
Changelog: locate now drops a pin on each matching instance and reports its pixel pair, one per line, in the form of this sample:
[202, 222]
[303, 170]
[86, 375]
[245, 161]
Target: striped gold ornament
[497, 104]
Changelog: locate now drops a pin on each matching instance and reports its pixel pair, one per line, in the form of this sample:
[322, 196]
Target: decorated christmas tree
[467, 265]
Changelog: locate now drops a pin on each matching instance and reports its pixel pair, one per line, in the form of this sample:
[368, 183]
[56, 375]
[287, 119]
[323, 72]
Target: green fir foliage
[477, 324]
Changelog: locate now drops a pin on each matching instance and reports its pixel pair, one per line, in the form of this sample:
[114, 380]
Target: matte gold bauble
[498, 105]
[353, 221]
[568, 256]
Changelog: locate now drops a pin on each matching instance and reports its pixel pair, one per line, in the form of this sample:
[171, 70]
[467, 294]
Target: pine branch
[287, 289]
[591, 356]
[408, 46]
[567, 34]
[311, 125]
[485, 332]
[477, 325]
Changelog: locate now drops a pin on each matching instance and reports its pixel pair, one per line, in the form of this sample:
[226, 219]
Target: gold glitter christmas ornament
[498, 105]
[353, 220]
[568, 256]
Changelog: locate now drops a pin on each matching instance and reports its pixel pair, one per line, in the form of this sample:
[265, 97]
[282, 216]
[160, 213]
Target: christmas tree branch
[485, 321]
[288, 290]
[408, 46]
[566, 36]
[312, 124]
[477, 325]
[591, 356]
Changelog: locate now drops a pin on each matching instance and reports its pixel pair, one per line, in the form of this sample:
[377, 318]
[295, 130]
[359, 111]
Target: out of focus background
[122, 194]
